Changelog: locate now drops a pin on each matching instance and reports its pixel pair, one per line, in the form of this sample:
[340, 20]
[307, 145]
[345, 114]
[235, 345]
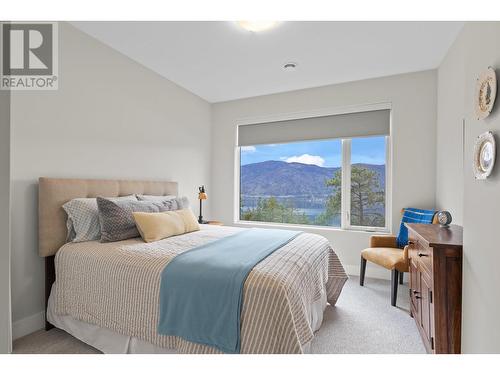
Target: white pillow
[83, 218]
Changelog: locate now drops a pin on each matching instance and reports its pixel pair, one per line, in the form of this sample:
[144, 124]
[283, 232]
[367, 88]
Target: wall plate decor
[486, 91]
[484, 155]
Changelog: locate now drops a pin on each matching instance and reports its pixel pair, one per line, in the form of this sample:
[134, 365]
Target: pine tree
[365, 194]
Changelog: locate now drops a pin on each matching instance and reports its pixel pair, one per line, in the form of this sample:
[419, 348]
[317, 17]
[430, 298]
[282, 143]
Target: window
[367, 193]
[336, 179]
[302, 183]
[292, 183]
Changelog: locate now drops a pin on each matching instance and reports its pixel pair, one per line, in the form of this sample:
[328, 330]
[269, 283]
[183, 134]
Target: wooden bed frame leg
[50, 277]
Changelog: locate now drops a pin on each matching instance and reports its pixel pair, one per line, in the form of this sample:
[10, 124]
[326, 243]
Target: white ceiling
[219, 61]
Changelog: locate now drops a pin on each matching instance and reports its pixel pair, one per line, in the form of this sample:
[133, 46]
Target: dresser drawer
[413, 290]
[421, 255]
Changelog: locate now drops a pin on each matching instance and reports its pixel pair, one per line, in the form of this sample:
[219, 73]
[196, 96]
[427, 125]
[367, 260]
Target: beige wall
[5, 312]
[110, 118]
[449, 139]
[475, 49]
[413, 99]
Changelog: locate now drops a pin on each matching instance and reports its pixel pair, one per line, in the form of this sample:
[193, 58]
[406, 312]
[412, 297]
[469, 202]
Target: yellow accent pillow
[159, 225]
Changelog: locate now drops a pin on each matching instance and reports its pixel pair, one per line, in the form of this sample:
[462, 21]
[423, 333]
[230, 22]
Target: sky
[324, 153]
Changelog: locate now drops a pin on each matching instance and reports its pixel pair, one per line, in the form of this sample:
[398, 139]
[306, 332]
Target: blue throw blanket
[201, 290]
[412, 215]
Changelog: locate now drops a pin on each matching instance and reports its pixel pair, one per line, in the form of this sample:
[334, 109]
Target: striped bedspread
[116, 286]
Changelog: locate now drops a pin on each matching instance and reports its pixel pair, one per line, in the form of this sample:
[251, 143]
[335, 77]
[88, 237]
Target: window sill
[243, 223]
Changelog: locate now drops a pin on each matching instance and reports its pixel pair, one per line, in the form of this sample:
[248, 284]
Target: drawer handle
[416, 292]
[418, 297]
[411, 242]
[423, 255]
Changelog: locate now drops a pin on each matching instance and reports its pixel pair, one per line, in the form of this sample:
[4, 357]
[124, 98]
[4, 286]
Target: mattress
[115, 286]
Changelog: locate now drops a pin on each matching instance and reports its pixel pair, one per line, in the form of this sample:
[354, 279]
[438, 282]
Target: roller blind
[360, 124]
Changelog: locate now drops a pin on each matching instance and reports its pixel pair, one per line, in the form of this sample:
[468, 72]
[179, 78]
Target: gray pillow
[83, 218]
[154, 198]
[116, 219]
[179, 203]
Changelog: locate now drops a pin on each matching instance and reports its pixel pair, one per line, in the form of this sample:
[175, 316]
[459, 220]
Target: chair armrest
[383, 241]
[405, 254]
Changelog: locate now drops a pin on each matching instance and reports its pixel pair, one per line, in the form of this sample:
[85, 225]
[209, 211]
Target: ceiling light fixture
[290, 66]
[256, 26]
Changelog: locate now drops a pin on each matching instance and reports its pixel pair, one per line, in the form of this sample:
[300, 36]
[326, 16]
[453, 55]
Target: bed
[106, 294]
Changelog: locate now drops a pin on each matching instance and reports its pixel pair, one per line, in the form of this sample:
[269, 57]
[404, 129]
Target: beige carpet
[362, 322]
[54, 341]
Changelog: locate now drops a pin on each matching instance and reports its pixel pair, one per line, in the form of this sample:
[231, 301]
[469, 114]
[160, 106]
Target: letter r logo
[27, 49]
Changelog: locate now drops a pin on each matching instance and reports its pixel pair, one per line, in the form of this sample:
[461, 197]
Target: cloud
[248, 149]
[306, 159]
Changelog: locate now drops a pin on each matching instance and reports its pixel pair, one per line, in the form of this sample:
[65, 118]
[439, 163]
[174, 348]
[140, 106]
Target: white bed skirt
[111, 342]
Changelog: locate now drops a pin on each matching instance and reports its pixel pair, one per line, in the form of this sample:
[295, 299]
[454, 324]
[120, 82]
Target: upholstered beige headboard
[54, 192]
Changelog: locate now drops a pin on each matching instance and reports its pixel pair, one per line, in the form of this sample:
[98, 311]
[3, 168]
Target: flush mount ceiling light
[256, 26]
[290, 66]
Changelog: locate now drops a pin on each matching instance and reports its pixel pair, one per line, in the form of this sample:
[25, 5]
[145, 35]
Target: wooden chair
[384, 252]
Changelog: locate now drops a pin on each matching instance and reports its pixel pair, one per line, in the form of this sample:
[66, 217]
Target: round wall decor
[486, 91]
[484, 155]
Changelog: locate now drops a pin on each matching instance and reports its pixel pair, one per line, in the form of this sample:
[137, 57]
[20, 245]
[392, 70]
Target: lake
[311, 213]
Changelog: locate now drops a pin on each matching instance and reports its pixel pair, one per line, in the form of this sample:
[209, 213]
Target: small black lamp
[201, 196]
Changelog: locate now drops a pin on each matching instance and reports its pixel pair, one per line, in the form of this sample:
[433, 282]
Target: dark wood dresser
[435, 256]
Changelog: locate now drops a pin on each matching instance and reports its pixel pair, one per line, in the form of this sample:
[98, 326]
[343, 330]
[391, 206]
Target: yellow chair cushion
[387, 257]
[159, 225]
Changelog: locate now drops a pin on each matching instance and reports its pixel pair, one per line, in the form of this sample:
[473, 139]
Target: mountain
[279, 178]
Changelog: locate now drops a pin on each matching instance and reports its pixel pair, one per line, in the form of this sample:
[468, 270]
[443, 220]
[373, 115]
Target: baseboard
[371, 271]
[30, 324]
